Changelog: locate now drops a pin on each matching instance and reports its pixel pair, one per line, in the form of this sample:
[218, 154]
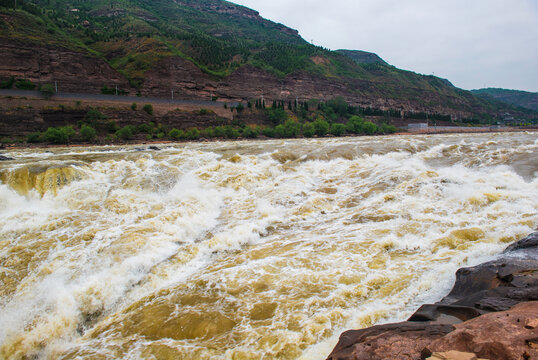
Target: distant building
[417, 127]
[507, 117]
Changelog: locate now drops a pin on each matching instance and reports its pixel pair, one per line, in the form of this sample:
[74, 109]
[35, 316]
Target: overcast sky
[472, 43]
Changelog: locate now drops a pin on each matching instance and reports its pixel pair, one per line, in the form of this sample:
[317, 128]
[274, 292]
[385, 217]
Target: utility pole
[116, 90]
[172, 94]
[56, 86]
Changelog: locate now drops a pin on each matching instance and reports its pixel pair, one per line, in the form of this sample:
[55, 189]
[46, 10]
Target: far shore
[138, 142]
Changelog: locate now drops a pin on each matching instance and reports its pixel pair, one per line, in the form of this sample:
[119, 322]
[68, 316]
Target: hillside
[362, 57]
[200, 50]
[528, 100]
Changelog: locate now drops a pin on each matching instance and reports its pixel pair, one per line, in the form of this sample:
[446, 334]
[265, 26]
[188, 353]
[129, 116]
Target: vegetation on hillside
[133, 36]
[524, 99]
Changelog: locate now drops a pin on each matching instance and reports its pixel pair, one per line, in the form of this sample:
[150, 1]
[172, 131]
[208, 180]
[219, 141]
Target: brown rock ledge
[491, 312]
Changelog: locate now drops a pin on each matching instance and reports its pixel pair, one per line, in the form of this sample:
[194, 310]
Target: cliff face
[16, 123]
[73, 71]
[248, 82]
[491, 312]
[81, 73]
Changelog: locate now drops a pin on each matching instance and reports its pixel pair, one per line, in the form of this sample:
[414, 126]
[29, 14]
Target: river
[248, 249]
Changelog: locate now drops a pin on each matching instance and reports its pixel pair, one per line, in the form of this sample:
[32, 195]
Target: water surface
[246, 250]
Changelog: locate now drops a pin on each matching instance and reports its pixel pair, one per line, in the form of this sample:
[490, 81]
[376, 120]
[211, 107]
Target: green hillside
[219, 37]
[528, 100]
[363, 57]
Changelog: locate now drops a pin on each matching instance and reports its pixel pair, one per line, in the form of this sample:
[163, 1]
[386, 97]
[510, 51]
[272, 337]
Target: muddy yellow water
[246, 250]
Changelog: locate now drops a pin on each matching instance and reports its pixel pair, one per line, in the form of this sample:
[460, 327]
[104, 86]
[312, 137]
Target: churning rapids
[246, 250]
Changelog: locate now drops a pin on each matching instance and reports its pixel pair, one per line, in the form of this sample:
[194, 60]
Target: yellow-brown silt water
[246, 250]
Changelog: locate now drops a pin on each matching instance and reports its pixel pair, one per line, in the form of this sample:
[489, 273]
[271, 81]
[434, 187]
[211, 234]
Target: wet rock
[530, 242]
[453, 355]
[154, 148]
[497, 335]
[379, 342]
[491, 312]
[445, 314]
[5, 158]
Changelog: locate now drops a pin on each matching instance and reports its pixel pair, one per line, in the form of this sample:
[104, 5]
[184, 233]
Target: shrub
[88, 133]
[60, 135]
[230, 132]
[145, 128]
[354, 125]
[93, 115]
[107, 91]
[207, 132]
[388, 129]
[176, 134]
[269, 132]
[250, 133]
[148, 108]
[47, 91]
[203, 112]
[133, 106]
[24, 84]
[276, 115]
[308, 130]
[7, 84]
[369, 128]
[289, 129]
[321, 127]
[338, 129]
[193, 134]
[112, 126]
[125, 133]
[34, 137]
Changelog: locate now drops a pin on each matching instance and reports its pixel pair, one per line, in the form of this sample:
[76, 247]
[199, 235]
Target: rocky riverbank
[491, 312]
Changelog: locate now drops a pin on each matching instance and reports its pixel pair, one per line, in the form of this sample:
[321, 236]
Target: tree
[125, 133]
[59, 135]
[338, 129]
[276, 116]
[321, 127]
[308, 130]
[176, 134]
[88, 133]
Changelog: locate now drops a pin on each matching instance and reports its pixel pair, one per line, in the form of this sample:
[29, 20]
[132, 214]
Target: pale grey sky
[472, 43]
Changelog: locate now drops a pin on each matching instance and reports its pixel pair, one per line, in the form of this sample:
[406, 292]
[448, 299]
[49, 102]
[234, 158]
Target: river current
[246, 250]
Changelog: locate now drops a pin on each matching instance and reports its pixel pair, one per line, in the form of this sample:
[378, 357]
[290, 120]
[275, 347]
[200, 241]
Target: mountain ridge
[525, 99]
